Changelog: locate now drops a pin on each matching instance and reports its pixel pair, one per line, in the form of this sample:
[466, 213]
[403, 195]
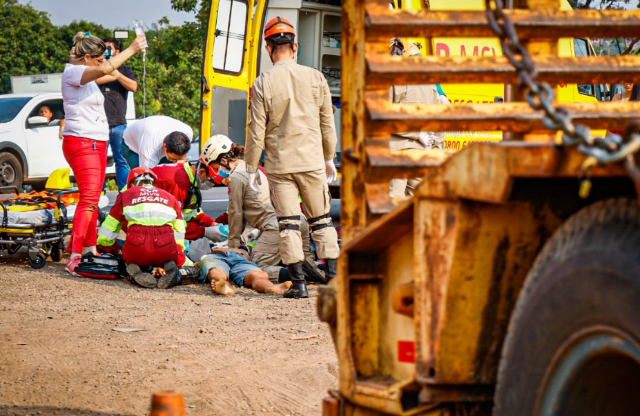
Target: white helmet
[214, 147]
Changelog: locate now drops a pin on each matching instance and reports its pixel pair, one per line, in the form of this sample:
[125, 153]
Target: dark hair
[177, 142]
[115, 42]
[277, 42]
[237, 151]
[635, 93]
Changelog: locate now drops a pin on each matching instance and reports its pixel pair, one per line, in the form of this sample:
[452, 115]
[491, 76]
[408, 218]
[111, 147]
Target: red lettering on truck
[442, 47]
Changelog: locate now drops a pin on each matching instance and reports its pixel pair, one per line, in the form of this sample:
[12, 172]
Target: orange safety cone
[167, 403]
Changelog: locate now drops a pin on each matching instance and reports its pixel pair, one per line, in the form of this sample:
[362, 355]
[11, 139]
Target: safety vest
[176, 179]
[145, 206]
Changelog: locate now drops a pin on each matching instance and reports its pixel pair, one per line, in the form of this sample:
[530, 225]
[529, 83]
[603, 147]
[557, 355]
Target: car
[194, 151]
[30, 148]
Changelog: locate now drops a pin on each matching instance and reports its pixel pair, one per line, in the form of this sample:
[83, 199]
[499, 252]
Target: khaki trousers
[313, 188]
[399, 188]
[266, 253]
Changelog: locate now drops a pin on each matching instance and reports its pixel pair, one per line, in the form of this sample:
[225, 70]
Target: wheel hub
[596, 373]
[7, 174]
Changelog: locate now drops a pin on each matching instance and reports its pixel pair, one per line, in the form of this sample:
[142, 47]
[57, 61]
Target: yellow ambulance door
[226, 73]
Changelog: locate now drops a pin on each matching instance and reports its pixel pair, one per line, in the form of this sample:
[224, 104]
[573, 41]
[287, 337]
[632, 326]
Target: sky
[110, 14]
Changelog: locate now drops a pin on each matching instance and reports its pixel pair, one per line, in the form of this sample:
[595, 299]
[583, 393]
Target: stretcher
[39, 223]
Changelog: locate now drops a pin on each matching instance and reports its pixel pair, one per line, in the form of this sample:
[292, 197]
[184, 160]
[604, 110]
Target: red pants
[88, 161]
[151, 246]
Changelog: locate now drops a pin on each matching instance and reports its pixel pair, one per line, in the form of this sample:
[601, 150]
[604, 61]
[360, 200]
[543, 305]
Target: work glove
[427, 139]
[217, 233]
[249, 236]
[444, 100]
[332, 173]
[254, 182]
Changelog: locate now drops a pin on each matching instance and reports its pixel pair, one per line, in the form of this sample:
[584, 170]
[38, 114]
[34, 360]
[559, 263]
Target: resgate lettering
[150, 199]
[149, 195]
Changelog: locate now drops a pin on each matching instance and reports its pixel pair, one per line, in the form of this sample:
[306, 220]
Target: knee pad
[295, 227]
[313, 222]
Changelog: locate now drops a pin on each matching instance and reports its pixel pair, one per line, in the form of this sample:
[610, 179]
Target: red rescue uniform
[152, 219]
[177, 179]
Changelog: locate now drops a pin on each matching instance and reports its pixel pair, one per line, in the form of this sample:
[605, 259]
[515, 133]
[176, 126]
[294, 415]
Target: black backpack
[194, 190]
[105, 266]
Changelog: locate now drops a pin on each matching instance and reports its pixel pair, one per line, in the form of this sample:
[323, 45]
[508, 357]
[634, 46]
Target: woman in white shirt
[86, 131]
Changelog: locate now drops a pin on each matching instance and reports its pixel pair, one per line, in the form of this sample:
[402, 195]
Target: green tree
[28, 43]
[600, 4]
[174, 65]
[66, 33]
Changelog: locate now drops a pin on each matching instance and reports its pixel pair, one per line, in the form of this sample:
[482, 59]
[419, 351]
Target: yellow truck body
[227, 94]
[501, 287]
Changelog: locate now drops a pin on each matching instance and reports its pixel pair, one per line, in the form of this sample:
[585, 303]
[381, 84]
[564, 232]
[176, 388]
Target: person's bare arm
[92, 73]
[114, 76]
[128, 83]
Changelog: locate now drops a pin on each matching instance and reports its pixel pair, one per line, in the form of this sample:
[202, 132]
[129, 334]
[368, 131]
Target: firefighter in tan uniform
[249, 207]
[291, 118]
[427, 94]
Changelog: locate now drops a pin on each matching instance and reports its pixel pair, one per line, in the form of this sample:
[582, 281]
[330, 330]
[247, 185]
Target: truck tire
[573, 345]
[10, 170]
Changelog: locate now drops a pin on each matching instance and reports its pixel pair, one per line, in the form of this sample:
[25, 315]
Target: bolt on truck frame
[509, 284]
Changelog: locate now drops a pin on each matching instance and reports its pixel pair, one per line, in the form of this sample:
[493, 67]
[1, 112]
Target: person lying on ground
[246, 206]
[155, 230]
[179, 178]
[231, 263]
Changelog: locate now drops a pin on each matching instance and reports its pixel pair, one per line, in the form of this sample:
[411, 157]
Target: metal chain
[539, 95]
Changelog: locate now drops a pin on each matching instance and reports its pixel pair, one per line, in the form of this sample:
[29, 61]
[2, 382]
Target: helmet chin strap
[278, 42]
[226, 156]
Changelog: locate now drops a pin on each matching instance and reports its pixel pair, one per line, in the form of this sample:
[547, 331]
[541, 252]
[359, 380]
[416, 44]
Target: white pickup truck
[30, 149]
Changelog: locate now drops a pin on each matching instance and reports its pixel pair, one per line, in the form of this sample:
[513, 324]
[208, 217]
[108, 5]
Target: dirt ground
[60, 355]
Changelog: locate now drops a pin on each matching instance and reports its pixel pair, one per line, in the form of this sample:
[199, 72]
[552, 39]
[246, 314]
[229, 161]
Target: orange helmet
[141, 173]
[279, 26]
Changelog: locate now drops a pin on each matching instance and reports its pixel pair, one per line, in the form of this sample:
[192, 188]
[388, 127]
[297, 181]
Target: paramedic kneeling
[155, 231]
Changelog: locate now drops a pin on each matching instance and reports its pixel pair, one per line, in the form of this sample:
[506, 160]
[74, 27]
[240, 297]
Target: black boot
[188, 275]
[330, 269]
[299, 287]
[171, 277]
[138, 276]
[312, 273]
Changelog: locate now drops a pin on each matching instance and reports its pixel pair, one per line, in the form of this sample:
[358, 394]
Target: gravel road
[228, 355]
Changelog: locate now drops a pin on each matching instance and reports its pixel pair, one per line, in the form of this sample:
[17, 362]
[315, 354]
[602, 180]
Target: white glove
[249, 236]
[217, 233]
[427, 139]
[444, 100]
[254, 182]
[332, 173]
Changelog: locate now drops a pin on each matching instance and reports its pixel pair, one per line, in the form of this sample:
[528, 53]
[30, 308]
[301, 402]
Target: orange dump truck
[509, 283]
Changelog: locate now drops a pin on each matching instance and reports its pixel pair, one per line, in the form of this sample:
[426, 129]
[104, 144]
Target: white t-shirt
[83, 106]
[146, 137]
